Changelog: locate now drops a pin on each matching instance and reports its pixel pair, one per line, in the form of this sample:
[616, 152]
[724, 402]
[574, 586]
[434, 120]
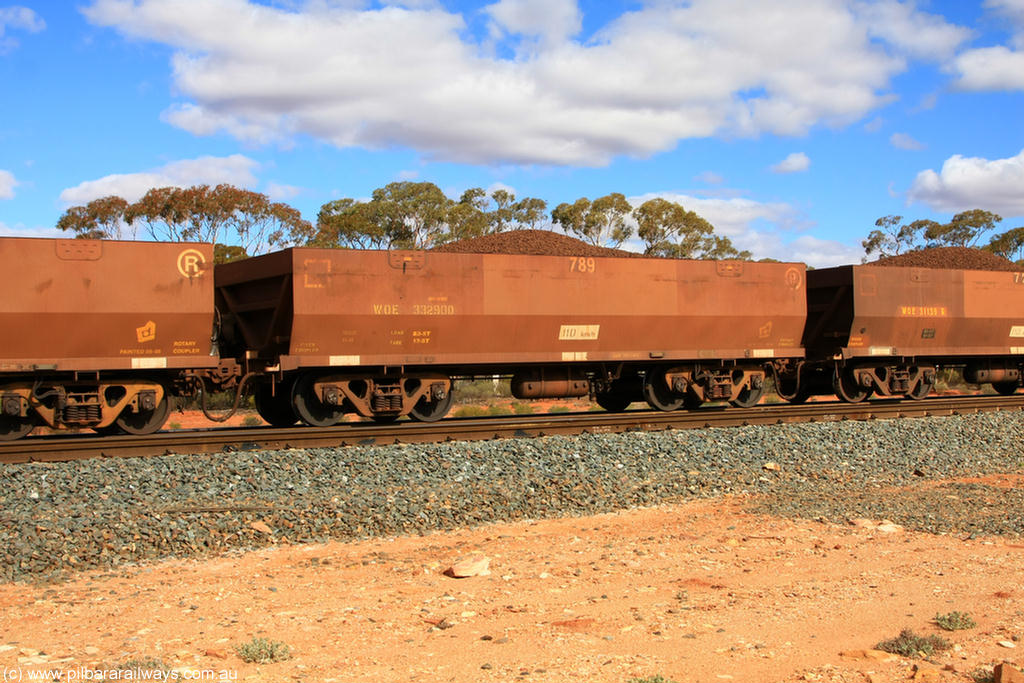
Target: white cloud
[797, 162]
[874, 125]
[710, 178]
[386, 76]
[22, 231]
[917, 34]
[551, 21]
[763, 229]
[973, 183]
[7, 184]
[279, 192]
[498, 185]
[821, 253]
[990, 68]
[904, 141]
[235, 170]
[18, 18]
[996, 67]
[1011, 9]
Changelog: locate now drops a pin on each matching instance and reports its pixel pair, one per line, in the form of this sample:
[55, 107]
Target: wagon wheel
[12, 428]
[309, 408]
[659, 396]
[846, 387]
[275, 407]
[748, 397]
[142, 422]
[432, 411]
[612, 402]
[1005, 388]
[922, 389]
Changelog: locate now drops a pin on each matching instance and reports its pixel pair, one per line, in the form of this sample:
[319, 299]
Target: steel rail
[59, 448]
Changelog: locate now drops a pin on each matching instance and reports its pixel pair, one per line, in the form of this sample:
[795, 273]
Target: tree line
[402, 215]
[419, 215]
[892, 236]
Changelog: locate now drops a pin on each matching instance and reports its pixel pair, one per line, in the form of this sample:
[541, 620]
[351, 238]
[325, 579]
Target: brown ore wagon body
[562, 325]
[93, 330]
[889, 328]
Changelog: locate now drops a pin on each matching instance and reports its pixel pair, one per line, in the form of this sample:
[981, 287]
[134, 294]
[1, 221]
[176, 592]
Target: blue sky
[790, 125]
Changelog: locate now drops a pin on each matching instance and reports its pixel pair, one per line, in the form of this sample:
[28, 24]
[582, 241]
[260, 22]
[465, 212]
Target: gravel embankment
[102, 513]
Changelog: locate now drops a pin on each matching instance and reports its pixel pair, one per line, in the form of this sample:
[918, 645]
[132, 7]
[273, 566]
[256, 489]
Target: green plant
[983, 675]
[470, 411]
[909, 644]
[481, 390]
[217, 400]
[251, 421]
[558, 409]
[952, 380]
[174, 425]
[651, 679]
[955, 621]
[498, 410]
[262, 651]
[522, 408]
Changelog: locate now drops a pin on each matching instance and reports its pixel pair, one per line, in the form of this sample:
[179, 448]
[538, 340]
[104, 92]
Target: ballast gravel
[60, 517]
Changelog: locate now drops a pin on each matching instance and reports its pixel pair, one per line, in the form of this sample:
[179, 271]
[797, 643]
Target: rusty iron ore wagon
[887, 331]
[385, 333]
[98, 334]
[101, 334]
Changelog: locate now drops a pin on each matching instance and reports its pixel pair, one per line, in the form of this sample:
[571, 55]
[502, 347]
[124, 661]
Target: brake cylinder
[549, 383]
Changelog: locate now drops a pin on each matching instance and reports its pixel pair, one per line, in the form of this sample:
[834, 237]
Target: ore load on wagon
[385, 333]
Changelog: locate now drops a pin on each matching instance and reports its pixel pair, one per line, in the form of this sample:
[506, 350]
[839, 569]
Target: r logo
[191, 263]
[793, 278]
[146, 333]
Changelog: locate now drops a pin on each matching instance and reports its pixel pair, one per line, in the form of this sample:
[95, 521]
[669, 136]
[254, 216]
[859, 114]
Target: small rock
[471, 565]
[771, 466]
[927, 672]
[1007, 643]
[216, 653]
[581, 624]
[261, 527]
[91, 650]
[873, 655]
[1004, 673]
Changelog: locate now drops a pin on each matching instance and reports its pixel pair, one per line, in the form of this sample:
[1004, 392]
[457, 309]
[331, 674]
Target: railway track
[214, 440]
